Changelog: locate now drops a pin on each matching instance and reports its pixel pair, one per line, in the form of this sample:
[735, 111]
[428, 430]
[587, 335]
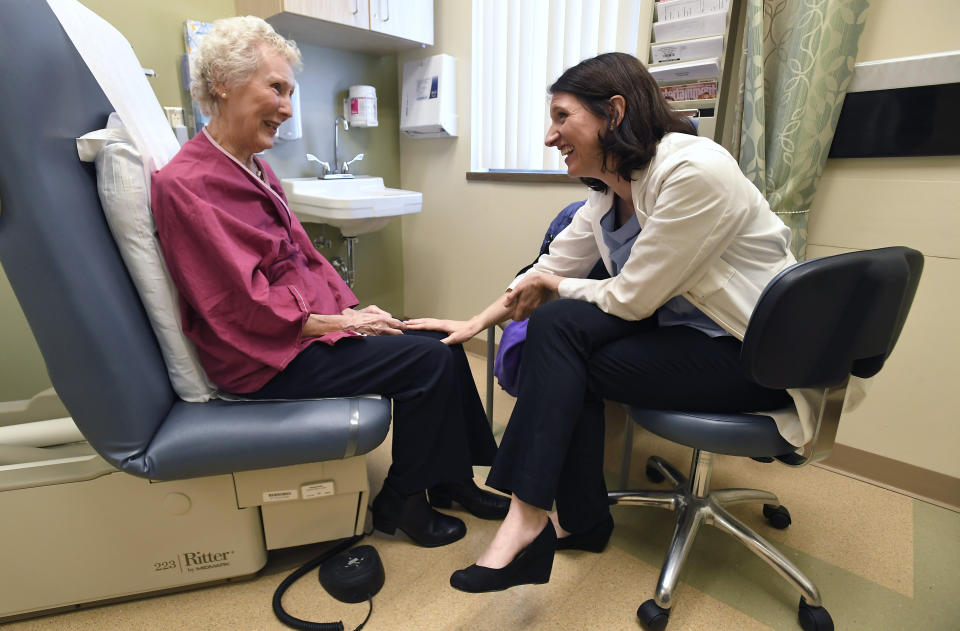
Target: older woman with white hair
[272, 319]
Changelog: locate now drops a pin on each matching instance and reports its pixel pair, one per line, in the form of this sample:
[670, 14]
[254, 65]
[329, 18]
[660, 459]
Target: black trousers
[575, 356]
[439, 426]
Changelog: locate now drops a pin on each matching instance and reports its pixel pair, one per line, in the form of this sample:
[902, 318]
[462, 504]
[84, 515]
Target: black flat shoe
[479, 503]
[413, 515]
[531, 566]
[594, 540]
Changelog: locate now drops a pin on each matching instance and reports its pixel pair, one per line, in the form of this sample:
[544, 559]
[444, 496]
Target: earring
[223, 95]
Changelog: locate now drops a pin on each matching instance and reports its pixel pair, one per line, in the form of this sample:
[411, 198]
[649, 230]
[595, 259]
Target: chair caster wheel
[777, 516]
[813, 618]
[652, 616]
[654, 475]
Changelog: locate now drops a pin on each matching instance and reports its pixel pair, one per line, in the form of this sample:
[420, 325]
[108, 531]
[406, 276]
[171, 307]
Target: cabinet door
[350, 12]
[409, 19]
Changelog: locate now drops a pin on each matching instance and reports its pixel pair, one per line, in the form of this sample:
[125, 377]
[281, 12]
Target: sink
[355, 206]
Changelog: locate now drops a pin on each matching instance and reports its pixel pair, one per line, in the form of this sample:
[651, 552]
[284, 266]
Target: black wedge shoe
[479, 503]
[413, 515]
[594, 540]
[531, 566]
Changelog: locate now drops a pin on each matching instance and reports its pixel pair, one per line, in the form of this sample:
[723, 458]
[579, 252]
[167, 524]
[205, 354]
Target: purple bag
[506, 366]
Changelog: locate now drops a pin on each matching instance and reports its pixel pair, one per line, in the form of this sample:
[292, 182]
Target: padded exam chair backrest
[825, 319]
[55, 246]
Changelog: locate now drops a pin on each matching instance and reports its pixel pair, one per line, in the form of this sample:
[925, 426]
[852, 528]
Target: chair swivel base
[695, 504]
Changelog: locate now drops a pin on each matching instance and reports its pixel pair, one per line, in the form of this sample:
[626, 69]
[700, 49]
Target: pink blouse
[247, 273]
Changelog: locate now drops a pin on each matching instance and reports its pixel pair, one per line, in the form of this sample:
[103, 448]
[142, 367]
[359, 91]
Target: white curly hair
[229, 55]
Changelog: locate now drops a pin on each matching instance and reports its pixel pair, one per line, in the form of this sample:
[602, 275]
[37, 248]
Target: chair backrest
[561, 221]
[56, 248]
[822, 320]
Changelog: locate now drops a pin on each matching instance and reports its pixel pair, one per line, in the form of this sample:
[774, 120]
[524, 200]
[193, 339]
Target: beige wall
[472, 237]
[866, 203]
[155, 31]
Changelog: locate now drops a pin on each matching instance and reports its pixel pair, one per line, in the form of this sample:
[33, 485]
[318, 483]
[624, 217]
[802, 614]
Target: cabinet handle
[385, 2]
[356, 7]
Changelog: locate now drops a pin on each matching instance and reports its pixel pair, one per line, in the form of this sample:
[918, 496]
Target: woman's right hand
[532, 291]
[459, 331]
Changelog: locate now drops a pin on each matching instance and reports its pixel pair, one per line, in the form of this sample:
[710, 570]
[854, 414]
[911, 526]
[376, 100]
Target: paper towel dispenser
[429, 97]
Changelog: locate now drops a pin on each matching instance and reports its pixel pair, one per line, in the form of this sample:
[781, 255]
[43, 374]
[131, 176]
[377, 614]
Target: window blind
[520, 47]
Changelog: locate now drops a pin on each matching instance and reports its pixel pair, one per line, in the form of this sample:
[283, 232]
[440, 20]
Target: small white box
[696, 26]
[677, 9]
[688, 71]
[687, 49]
[428, 102]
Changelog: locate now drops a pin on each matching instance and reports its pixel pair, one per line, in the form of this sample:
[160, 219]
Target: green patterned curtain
[799, 57]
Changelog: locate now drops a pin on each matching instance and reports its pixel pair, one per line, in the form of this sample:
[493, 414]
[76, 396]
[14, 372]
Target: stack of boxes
[686, 53]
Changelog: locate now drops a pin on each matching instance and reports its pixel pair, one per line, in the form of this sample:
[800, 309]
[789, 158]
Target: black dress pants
[574, 357]
[439, 426]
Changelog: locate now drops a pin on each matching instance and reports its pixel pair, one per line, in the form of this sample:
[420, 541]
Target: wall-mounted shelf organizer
[692, 56]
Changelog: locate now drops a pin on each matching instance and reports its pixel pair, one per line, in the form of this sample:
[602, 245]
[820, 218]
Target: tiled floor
[881, 560]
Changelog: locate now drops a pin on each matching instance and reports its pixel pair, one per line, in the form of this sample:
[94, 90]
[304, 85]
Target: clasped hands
[531, 292]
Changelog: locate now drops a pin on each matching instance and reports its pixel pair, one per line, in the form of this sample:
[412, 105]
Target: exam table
[137, 490]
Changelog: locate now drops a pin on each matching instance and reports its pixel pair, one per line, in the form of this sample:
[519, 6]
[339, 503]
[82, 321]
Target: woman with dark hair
[690, 244]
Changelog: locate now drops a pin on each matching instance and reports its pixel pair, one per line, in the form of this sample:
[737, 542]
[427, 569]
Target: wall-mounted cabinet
[407, 19]
[370, 26]
[693, 58]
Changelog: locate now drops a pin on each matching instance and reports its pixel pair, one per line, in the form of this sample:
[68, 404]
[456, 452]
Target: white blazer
[707, 235]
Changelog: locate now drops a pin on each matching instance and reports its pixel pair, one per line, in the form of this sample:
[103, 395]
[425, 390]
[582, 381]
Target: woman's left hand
[531, 292]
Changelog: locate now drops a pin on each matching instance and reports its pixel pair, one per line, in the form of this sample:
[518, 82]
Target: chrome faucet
[337, 170]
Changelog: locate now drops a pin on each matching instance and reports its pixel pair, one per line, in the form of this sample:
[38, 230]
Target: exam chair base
[108, 536]
[117, 535]
[695, 505]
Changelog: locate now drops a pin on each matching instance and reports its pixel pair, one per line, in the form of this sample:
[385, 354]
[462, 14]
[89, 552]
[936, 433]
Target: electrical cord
[306, 625]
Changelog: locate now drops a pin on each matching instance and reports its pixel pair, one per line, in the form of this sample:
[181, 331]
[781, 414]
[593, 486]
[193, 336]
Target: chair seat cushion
[217, 437]
[750, 435]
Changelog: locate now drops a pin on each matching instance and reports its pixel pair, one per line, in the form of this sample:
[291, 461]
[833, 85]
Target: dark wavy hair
[647, 116]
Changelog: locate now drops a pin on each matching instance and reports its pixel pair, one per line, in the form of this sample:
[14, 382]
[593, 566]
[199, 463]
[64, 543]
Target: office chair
[817, 324]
